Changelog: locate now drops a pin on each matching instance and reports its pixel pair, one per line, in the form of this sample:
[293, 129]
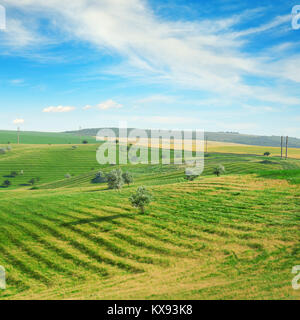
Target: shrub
[85, 142]
[13, 174]
[267, 153]
[115, 179]
[190, 175]
[67, 176]
[141, 198]
[2, 151]
[99, 178]
[32, 181]
[219, 170]
[74, 147]
[6, 183]
[127, 177]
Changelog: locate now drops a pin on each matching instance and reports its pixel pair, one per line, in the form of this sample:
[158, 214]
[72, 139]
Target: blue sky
[215, 65]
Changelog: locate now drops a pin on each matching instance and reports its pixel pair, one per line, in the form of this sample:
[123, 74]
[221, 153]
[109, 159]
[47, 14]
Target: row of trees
[115, 179]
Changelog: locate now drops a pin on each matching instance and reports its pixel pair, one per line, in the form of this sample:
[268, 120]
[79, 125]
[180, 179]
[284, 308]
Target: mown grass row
[52, 240]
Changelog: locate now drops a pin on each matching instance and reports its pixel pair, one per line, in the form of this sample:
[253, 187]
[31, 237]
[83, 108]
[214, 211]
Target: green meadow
[230, 237]
[29, 137]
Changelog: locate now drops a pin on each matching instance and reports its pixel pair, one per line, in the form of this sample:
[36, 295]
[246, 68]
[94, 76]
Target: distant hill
[233, 137]
[32, 137]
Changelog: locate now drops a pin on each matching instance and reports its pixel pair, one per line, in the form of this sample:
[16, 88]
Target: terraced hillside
[234, 236]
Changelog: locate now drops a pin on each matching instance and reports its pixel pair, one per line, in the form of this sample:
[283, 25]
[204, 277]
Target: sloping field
[229, 237]
[51, 163]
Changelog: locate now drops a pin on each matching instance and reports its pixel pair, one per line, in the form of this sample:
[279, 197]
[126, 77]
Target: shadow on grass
[100, 219]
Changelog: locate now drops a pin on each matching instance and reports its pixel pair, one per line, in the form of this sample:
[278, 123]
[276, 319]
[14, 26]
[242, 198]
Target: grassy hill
[229, 237]
[28, 137]
[227, 137]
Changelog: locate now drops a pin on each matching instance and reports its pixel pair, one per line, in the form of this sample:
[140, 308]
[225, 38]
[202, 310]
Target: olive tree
[141, 198]
[115, 179]
[99, 178]
[6, 183]
[190, 174]
[32, 181]
[219, 170]
[127, 177]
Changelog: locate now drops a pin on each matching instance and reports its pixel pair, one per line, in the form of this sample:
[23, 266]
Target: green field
[229, 237]
[28, 137]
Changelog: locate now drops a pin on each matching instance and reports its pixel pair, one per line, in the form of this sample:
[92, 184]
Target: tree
[141, 198]
[127, 177]
[267, 153]
[13, 174]
[6, 183]
[219, 170]
[115, 179]
[99, 178]
[190, 175]
[32, 181]
[85, 142]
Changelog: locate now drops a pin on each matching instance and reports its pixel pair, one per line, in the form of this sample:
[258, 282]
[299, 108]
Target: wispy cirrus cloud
[207, 55]
[58, 109]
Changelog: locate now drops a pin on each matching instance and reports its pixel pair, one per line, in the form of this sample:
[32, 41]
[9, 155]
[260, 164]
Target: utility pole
[281, 146]
[18, 135]
[286, 151]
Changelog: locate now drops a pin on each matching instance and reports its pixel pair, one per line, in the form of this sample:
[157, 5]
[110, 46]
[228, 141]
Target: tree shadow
[100, 219]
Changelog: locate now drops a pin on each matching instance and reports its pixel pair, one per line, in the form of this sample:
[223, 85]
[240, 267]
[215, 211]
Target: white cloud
[266, 27]
[109, 104]
[18, 35]
[206, 54]
[17, 81]
[18, 121]
[59, 109]
[87, 107]
[157, 98]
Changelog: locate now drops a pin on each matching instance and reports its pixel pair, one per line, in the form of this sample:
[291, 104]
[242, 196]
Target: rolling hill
[231, 137]
[229, 237]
